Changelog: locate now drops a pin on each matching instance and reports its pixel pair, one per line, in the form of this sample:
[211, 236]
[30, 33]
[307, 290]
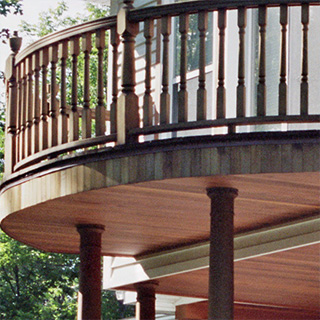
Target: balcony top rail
[66, 34]
[191, 7]
[67, 93]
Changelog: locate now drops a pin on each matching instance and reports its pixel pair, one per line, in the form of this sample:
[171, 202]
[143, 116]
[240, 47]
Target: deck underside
[152, 216]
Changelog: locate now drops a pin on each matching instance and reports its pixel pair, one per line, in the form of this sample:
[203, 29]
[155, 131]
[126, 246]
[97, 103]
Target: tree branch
[8, 279]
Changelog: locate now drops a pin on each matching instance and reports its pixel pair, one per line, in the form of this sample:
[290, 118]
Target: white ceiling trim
[124, 271]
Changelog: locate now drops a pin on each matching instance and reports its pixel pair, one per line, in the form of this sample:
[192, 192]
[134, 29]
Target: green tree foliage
[35, 284]
[6, 7]
[43, 286]
[58, 19]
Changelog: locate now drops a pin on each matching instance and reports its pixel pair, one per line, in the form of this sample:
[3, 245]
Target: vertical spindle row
[261, 90]
[283, 61]
[165, 96]
[44, 100]
[241, 88]
[63, 116]
[115, 40]
[147, 99]
[202, 91]
[100, 109]
[53, 121]
[183, 93]
[29, 99]
[304, 98]
[74, 115]
[221, 90]
[86, 112]
[36, 103]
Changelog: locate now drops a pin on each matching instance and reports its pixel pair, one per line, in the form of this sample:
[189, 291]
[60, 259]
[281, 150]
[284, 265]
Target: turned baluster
[202, 91]
[241, 88]
[183, 93]
[283, 61]
[44, 60]
[304, 89]
[261, 98]
[74, 115]
[86, 113]
[63, 116]
[53, 121]
[100, 109]
[115, 40]
[29, 100]
[165, 96]
[147, 99]
[221, 90]
[36, 102]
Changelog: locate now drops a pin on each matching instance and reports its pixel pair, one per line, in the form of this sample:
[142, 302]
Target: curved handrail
[191, 7]
[66, 34]
[230, 123]
[44, 106]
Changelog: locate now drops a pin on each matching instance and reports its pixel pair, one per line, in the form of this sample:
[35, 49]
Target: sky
[31, 10]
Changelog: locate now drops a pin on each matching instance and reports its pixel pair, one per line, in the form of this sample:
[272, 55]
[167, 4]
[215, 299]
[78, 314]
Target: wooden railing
[51, 110]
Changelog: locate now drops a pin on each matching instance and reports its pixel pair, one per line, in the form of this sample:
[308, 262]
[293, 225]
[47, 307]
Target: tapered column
[90, 272]
[221, 253]
[146, 300]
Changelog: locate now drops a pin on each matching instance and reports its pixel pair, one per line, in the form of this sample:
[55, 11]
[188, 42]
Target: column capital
[90, 234]
[94, 227]
[218, 192]
[146, 297]
[146, 289]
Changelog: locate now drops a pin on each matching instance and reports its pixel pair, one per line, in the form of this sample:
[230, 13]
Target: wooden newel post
[146, 300]
[221, 253]
[11, 113]
[89, 305]
[127, 105]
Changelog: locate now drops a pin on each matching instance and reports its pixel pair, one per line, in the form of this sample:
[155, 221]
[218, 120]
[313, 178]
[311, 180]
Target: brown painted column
[146, 300]
[90, 272]
[221, 253]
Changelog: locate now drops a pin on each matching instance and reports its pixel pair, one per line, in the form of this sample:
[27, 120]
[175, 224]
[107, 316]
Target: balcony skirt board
[162, 188]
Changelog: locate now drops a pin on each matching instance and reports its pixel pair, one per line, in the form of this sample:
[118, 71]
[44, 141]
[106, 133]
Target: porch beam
[246, 246]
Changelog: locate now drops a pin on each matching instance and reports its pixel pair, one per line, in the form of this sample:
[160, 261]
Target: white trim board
[125, 271]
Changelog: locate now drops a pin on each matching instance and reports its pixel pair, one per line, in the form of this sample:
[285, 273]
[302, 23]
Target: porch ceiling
[288, 279]
[153, 216]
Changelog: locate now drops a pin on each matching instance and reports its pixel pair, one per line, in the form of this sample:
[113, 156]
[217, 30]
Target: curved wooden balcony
[44, 106]
[133, 140]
